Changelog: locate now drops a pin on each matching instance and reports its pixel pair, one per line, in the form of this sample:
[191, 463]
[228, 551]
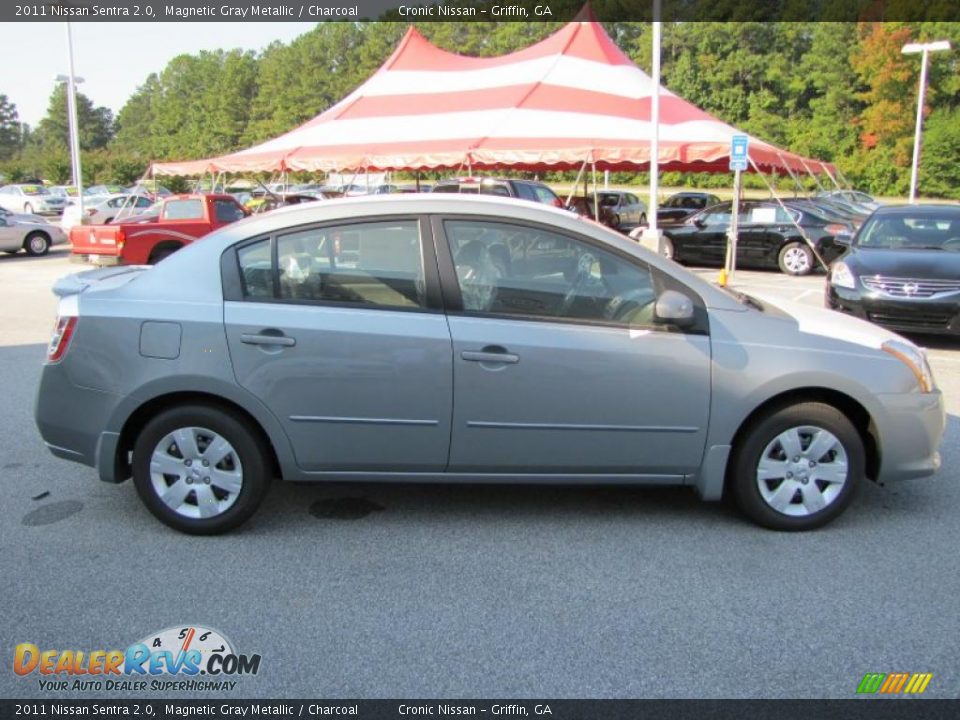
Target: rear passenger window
[545, 195]
[227, 211]
[377, 263]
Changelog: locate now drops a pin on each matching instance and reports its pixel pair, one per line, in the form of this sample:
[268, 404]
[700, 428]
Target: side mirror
[673, 308]
[699, 222]
[843, 240]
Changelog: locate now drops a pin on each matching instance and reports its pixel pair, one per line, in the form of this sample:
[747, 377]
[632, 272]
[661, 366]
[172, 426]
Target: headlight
[915, 359]
[840, 276]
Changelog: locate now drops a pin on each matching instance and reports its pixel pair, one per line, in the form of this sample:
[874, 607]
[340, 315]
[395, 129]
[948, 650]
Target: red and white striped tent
[569, 99]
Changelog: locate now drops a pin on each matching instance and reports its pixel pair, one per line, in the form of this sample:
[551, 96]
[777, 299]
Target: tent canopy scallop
[571, 98]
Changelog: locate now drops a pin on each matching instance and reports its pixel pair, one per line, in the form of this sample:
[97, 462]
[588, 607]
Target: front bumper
[940, 316]
[909, 429]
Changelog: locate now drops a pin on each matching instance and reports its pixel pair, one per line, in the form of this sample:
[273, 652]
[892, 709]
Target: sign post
[738, 163]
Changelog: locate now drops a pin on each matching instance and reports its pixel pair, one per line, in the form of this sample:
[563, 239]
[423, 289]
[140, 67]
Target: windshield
[922, 231]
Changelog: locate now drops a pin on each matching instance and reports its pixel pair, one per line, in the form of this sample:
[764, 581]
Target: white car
[105, 210]
[31, 199]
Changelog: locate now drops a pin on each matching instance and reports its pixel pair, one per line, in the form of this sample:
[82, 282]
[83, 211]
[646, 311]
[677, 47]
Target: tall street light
[72, 80]
[925, 49]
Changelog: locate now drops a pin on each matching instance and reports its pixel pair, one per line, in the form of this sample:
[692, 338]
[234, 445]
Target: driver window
[505, 269]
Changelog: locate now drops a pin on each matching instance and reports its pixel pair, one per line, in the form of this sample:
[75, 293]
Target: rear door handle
[274, 338]
[490, 356]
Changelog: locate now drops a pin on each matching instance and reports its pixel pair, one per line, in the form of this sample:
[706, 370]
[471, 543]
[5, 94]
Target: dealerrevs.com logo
[189, 658]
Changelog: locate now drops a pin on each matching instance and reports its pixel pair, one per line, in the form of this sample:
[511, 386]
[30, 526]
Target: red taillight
[837, 229]
[92, 211]
[557, 202]
[61, 338]
[121, 239]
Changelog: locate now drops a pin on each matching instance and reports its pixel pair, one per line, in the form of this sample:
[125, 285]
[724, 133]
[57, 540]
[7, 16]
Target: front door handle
[275, 338]
[490, 355]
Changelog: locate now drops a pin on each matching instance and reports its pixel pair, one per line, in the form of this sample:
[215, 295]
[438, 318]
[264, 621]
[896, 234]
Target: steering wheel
[582, 280]
[636, 306]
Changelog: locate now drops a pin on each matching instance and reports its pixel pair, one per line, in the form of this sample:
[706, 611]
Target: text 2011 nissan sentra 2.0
[465, 339]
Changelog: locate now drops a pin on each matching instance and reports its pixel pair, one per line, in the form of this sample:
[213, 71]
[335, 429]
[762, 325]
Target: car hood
[832, 324]
[927, 264]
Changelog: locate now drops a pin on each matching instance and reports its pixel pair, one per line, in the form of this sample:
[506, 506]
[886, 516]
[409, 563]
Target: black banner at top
[479, 10]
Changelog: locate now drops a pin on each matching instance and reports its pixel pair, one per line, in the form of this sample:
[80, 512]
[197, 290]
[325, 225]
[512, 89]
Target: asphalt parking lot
[452, 591]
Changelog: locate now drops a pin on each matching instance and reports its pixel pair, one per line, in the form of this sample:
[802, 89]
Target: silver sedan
[450, 338]
[29, 233]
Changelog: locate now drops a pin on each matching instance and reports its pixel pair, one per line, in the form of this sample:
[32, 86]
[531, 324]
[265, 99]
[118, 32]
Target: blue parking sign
[738, 152]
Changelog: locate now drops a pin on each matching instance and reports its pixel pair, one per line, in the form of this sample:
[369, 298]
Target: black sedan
[680, 206]
[768, 237]
[902, 270]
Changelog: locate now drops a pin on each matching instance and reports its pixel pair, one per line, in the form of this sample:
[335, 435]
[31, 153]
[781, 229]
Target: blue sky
[113, 58]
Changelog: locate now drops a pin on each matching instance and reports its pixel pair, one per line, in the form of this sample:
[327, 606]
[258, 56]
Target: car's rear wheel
[643, 218]
[37, 243]
[200, 470]
[796, 258]
[798, 467]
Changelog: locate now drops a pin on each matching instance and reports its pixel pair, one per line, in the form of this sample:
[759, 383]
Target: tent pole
[730, 266]
[596, 202]
[844, 179]
[573, 190]
[652, 237]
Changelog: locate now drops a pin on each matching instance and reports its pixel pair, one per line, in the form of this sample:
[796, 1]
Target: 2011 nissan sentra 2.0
[468, 339]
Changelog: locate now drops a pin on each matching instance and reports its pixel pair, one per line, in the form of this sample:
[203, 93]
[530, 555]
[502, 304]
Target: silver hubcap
[196, 473]
[802, 471]
[796, 260]
[37, 244]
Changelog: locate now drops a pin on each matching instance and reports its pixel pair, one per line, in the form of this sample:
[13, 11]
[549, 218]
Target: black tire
[245, 441]
[796, 258]
[615, 221]
[36, 244]
[162, 253]
[108, 221]
[743, 481]
[643, 219]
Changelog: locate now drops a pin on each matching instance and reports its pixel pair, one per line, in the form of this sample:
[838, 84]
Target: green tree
[95, 124]
[11, 131]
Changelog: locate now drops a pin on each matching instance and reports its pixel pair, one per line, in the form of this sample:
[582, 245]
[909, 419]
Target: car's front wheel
[797, 468]
[200, 470]
[796, 258]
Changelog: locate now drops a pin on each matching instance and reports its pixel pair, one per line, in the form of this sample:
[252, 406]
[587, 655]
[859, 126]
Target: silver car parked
[29, 233]
[468, 339]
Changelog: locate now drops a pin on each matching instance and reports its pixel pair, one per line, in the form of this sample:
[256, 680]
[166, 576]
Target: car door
[557, 366]
[339, 330]
[707, 241]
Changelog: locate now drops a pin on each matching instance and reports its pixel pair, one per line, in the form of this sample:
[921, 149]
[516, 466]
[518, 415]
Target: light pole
[925, 49]
[651, 236]
[72, 80]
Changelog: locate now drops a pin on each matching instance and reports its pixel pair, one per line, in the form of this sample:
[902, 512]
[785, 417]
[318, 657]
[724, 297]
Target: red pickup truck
[147, 239]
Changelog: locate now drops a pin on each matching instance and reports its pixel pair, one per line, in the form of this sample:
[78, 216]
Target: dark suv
[523, 189]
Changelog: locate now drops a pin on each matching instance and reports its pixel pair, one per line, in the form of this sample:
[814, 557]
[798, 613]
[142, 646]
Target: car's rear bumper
[66, 416]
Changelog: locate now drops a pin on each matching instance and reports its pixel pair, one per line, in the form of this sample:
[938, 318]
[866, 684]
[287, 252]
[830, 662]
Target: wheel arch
[164, 247]
[849, 406]
[142, 414]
